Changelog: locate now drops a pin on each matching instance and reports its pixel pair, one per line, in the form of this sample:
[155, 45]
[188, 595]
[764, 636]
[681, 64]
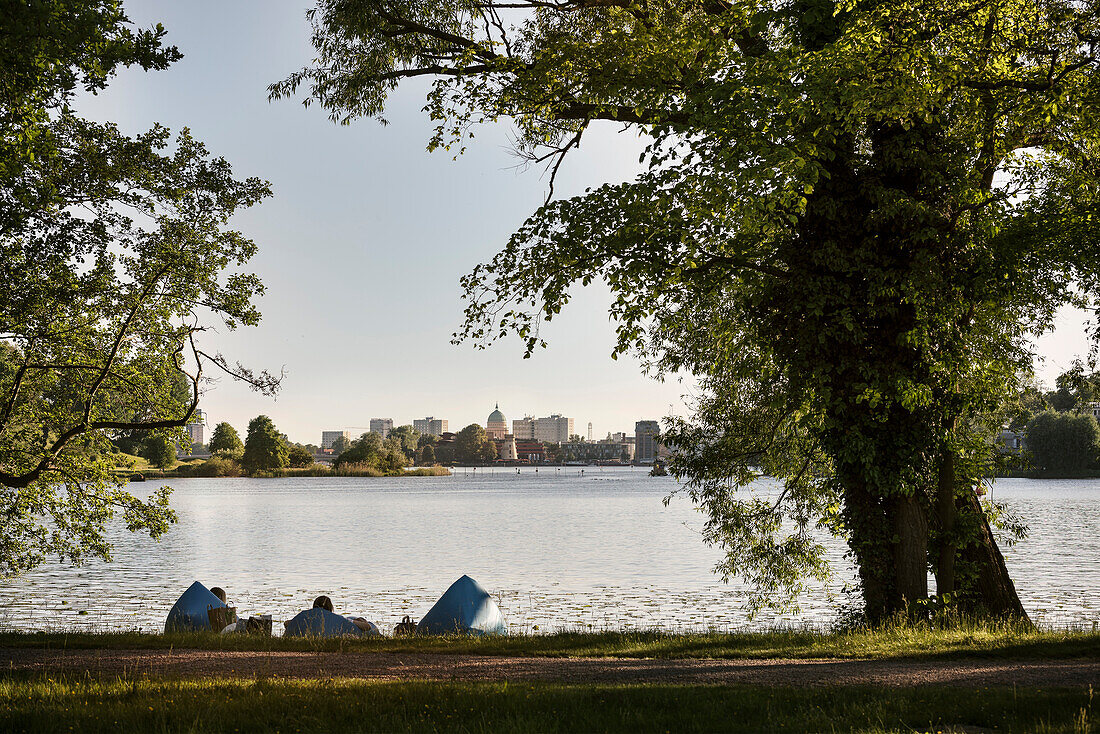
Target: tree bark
[996, 592]
[910, 552]
[946, 512]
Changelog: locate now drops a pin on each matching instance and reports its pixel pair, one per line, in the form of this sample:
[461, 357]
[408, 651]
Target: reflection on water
[559, 549]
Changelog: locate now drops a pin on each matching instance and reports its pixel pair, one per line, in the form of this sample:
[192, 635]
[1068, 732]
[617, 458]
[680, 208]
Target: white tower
[589, 431]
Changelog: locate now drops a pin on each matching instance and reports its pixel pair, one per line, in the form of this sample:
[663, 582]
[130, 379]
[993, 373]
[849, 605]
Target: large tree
[115, 256]
[225, 439]
[853, 217]
[264, 448]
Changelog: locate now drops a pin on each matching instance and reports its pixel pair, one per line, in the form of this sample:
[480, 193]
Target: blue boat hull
[189, 613]
[464, 608]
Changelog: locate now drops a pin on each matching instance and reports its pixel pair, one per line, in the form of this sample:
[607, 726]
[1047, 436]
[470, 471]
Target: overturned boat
[191, 612]
[464, 608]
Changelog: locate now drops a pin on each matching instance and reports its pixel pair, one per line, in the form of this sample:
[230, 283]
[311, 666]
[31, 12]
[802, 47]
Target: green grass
[34, 703]
[990, 639]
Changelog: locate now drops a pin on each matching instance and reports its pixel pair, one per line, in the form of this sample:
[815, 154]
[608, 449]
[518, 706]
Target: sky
[362, 245]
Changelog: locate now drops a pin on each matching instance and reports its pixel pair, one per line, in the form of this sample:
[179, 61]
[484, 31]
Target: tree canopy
[1063, 443]
[264, 448]
[115, 257]
[473, 445]
[225, 439]
[852, 218]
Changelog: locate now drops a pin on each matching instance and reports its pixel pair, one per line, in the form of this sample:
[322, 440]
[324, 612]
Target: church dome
[496, 416]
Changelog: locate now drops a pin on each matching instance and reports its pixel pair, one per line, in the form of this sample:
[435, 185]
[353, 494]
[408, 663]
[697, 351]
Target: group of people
[321, 602]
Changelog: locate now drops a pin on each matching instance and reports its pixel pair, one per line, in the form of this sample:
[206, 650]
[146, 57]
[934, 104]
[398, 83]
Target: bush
[217, 466]
[299, 456]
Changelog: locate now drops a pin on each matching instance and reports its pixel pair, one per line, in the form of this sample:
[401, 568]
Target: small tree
[409, 439]
[225, 440]
[299, 456]
[159, 451]
[264, 449]
[340, 445]
[367, 449]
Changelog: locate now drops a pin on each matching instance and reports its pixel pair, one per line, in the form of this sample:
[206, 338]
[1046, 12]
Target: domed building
[497, 425]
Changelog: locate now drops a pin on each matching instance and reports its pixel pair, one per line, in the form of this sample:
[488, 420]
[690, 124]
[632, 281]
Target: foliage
[427, 455]
[217, 466]
[1063, 442]
[340, 445]
[299, 456]
[114, 258]
[473, 446]
[409, 439]
[225, 440]
[264, 448]
[159, 450]
[853, 218]
[370, 450]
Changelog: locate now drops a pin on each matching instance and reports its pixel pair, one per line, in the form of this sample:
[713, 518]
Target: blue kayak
[188, 614]
[319, 622]
[464, 608]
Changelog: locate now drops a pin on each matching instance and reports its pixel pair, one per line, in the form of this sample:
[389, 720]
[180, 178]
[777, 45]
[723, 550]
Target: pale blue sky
[363, 243]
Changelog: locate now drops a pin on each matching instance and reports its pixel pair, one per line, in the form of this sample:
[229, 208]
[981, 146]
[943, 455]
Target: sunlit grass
[34, 703]
[1001, 639]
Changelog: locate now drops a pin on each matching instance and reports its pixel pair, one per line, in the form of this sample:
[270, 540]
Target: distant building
[196, 429]
[431, 426]
[329, 437]
[589, 430]
[645, 440]
[381, 426]
[496, 426]
[508, 450]
[598, 451]
[529, 450]
[524, 429]
[1011, 441]
[554, 429]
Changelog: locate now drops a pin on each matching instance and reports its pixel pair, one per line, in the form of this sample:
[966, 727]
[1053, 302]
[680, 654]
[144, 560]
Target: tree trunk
[869, 538]
[910, 552]
[996, 592]
[946, 512]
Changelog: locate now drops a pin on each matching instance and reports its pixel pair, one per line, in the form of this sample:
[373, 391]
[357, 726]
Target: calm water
[558, 549]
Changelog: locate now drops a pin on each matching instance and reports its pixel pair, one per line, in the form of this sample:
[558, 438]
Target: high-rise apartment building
[554, 429]
[645, 440]
[329, 437]
[524, 428]
[432, 426]
[381, 426]
[196, 429]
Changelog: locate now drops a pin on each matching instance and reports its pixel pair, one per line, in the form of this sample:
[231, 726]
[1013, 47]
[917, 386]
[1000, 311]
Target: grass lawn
[901, 641]
[35, 703]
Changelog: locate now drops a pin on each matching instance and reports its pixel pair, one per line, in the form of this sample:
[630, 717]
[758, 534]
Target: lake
[557, 548]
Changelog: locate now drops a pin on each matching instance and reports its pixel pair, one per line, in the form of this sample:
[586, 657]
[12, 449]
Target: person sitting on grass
[323, 602]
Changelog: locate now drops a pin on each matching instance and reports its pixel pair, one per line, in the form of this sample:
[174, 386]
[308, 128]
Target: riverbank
[974, 680]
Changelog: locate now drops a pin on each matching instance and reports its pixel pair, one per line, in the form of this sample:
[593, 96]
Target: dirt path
[427, 666]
